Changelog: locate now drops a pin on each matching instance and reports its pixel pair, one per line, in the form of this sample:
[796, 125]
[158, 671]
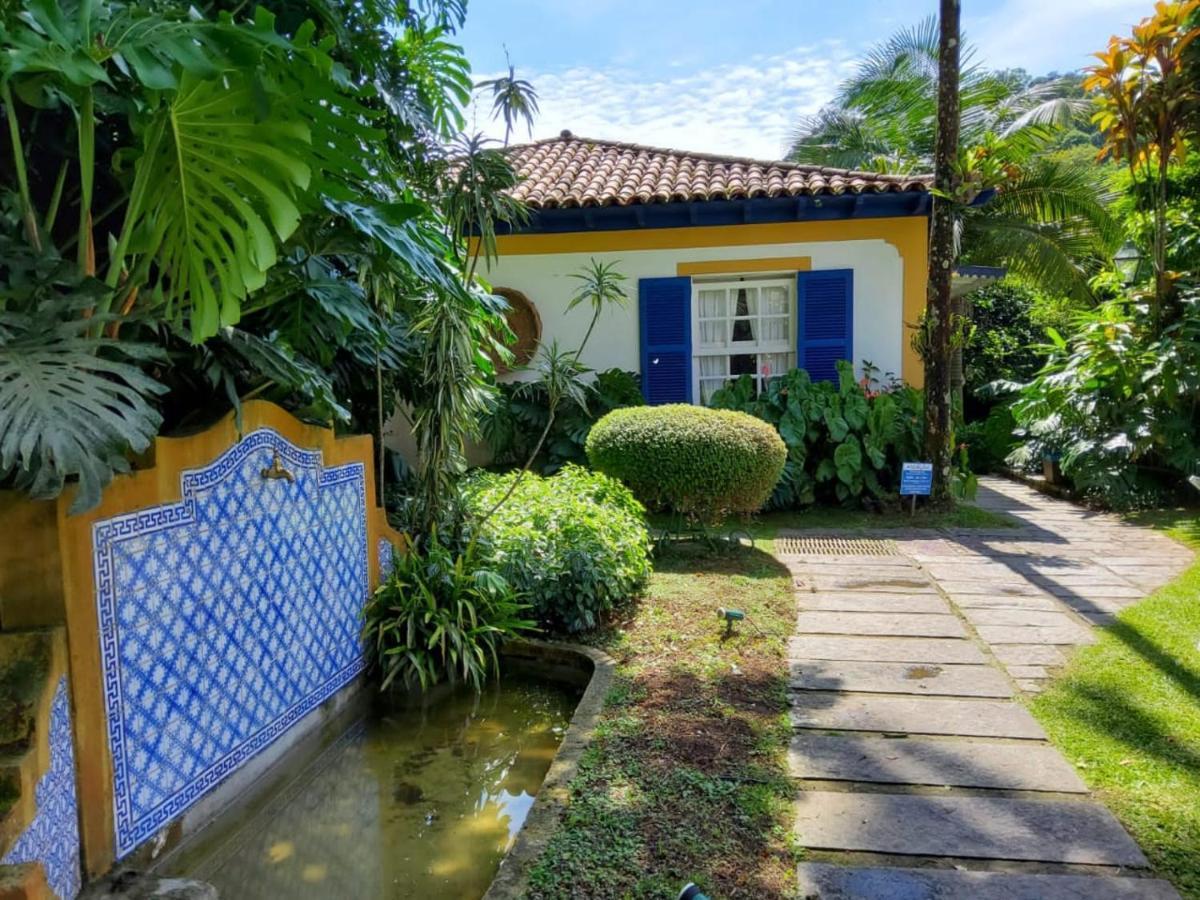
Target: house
[735, 266]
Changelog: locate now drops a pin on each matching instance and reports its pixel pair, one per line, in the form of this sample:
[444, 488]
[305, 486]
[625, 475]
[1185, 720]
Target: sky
[735, 76]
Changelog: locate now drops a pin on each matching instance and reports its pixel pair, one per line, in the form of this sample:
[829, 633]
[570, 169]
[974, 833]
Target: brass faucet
[276, 469]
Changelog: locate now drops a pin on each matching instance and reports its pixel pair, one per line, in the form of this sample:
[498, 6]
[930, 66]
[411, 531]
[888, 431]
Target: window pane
[776, 329]
[708, 387]
[775, 364]
[743, 364]
[747, 302]
[775, 300]
[713, 333]
[712, 304]
[745, 329]
[713, 365]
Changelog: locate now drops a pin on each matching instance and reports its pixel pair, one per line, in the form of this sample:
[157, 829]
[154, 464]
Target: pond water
[416, 801]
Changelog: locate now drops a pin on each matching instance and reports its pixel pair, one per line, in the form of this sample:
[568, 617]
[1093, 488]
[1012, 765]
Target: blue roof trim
[755, 211]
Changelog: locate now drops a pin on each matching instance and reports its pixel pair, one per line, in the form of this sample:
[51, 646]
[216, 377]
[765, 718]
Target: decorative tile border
[224, 619]
[52, 838]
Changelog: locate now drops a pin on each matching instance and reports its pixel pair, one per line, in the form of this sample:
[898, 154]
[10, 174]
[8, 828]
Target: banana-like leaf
[70, 405]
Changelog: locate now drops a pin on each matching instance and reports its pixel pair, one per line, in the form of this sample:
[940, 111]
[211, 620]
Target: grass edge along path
[686, 779]
[1126, 713]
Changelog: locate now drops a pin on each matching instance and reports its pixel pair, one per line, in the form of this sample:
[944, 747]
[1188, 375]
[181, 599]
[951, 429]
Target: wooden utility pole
[939, 309]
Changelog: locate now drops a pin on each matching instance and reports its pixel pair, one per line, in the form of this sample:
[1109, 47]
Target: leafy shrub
[989, 441]
[574, 545]
[701, 462]
[843, 440]
[522, 408]
[1120, 401]
[1008, 323]
[440, 615]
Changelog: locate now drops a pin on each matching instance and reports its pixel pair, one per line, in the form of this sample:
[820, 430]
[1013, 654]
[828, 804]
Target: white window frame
[760, 347]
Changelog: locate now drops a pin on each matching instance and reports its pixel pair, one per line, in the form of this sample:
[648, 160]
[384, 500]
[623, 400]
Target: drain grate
[803, 546]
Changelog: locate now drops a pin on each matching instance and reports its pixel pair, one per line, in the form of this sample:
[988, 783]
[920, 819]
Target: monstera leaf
[229, 166]
[70, 405]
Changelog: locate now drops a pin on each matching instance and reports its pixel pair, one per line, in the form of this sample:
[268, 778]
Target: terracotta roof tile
[569, 171]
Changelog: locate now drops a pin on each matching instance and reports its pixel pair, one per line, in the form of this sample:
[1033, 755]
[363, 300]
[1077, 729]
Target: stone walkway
[921, 774]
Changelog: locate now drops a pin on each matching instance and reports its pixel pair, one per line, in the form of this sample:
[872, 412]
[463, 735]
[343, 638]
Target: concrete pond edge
[549, 806]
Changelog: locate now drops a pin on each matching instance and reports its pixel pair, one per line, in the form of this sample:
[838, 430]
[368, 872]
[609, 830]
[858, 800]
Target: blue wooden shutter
[665, 317]
[825, 331]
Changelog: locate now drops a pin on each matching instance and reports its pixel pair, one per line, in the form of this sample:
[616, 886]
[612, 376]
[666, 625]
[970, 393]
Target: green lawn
[1127, 712]
[686, 778]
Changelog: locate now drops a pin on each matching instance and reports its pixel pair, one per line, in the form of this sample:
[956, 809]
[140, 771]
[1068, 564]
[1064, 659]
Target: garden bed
[685, 779]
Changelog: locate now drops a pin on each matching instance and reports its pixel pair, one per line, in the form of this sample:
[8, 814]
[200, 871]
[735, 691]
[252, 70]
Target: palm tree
[939, 312]
[513, 98]
[1049, 219]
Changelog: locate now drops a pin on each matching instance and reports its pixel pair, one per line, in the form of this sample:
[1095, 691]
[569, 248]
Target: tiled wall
[224, 619]
[52, 838]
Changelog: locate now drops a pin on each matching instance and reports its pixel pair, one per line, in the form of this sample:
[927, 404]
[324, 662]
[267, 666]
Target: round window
[525, 323]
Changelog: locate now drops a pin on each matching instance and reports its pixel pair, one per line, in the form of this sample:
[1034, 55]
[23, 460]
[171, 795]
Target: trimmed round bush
[705, 463]
[574, 545]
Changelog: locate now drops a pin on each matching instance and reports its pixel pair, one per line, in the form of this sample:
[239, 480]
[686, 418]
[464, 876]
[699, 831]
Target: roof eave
[758, 210]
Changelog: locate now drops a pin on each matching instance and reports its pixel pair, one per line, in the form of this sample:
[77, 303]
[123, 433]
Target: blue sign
[916, 479]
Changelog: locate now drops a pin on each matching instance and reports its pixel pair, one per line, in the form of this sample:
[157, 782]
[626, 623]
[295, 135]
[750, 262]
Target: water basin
[420, 798]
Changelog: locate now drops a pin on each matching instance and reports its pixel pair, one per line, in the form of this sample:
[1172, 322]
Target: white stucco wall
[545, 280]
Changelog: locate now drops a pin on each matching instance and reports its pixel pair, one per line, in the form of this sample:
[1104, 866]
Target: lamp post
[1128, 260]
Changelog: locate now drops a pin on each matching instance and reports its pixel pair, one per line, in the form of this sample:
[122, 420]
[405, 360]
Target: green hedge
[574, 545]
[701, 462]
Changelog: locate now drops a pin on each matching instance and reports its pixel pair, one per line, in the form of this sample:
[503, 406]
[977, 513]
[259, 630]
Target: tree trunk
[938, 422]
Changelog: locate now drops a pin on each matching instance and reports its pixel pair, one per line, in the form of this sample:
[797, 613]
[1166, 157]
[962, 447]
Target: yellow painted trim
[908, 234]
[736, 266]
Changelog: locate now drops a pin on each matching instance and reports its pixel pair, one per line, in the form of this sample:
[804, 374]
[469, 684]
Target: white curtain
[714, 372]
[713, 324]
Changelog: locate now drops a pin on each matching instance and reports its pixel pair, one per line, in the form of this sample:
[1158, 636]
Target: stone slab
[822, 881]
[985, 601]
[885, 649]
[925, 679]
[975, 827]
[991, 586]
[1024, 617]
[1031, 685]
[959, 763]
[901, 603]
[1028, 671]
[893, 624]
[914, 715]
[1106, 591]
[865, 581]
[1015, 634]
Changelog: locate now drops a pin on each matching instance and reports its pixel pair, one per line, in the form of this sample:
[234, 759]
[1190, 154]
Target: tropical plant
[252, 214]
[513, 99]
[845, 442]
[1118, 401]
[1148, 93]
[702, 463]
[1047, 220]
[522, 413]
[440, 615]
[574, 545]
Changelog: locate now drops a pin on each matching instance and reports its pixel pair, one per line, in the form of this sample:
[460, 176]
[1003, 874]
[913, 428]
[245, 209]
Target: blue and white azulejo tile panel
[386, 558]
[52, 838]
[224, 619]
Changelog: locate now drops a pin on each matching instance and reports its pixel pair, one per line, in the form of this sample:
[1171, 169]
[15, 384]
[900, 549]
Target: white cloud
[748, 108]
[1040, 36]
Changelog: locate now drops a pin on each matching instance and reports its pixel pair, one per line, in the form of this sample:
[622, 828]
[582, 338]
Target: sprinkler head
[730, 615]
